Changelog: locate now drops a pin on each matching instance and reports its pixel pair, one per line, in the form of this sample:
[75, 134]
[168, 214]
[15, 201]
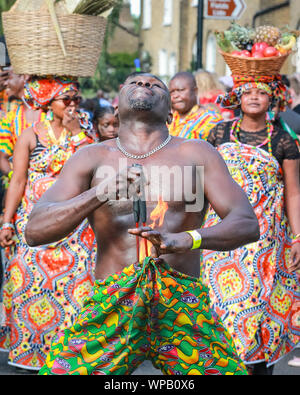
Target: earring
[271, 112]
[49, 115]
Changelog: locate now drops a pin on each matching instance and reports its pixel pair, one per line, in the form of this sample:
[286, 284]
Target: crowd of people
[72, 293]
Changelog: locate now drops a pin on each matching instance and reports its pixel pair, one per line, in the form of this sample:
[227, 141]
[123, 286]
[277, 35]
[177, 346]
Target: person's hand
[164, 243]
[294, 264]
[6, 237]
[71, 121]
[126, 184]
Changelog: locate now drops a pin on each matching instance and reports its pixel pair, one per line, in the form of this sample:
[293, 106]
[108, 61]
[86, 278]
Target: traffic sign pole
[199, 63]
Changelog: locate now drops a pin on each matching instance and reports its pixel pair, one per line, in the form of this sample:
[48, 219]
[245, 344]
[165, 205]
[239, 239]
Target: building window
[211, 53]
[168, 12]
[172, 65]
[227, 71]
[147, 14]
[163, 64]
[194, 54]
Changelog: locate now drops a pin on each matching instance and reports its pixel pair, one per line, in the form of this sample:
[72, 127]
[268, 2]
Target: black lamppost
[199, 63]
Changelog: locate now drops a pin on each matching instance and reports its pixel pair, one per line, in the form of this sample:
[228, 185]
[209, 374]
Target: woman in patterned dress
[256, 289]
[44, 287]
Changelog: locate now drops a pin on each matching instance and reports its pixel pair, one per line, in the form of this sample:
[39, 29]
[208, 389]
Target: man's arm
[71, 199]
[238, 225]
[66, 204]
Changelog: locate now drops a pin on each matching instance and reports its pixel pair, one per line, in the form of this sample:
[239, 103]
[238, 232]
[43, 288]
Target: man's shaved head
[186, 76]
[183, 90]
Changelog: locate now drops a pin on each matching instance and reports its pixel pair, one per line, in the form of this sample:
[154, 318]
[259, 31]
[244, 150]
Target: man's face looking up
[145, 93]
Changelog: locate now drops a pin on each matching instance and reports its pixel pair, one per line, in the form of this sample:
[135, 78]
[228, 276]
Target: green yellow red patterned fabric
[209, 99]
[196, 125]
[5, 104]
[251, 288]
[11, 127]
[272, 85]
[40, 91]
[147, 311]
[44, 287]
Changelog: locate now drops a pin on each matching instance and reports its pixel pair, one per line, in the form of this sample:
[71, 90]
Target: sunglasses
[67, 100]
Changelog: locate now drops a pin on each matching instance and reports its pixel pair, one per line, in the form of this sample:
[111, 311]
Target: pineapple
[224, 43]
[269, 34]
[240, 36]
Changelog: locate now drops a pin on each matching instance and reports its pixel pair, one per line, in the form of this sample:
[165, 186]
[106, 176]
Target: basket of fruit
[260, 51]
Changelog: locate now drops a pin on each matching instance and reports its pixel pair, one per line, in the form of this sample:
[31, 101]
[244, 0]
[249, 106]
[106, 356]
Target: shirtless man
[155, 309]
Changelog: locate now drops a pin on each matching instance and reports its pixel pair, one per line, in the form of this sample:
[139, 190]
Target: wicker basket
[34, 48]
[254, 66]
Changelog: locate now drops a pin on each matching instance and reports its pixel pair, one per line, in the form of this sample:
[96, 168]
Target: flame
[158, 214]
[157, 217]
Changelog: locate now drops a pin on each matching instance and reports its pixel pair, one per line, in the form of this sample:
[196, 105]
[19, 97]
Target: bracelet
[78, 137]
[296, 237]
[7, 226]
[10, 174]
[294, 241]
[197, 239]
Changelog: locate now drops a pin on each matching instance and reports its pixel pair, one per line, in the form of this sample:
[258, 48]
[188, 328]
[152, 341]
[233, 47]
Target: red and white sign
[224, 9]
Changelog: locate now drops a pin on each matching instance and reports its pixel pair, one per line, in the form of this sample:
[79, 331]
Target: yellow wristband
[296, 237]
[197, 239]
[79, 137]
[10, 175]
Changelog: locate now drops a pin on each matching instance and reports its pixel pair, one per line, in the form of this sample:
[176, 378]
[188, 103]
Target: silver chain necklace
[162, 145]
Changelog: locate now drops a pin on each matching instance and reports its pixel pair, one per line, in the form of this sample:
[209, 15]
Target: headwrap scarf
[40, 91]
[272, 85]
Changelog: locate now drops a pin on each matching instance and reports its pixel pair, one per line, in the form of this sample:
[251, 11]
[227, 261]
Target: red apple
[257, 54]
[259, 47]
[245, 53]
[236, 53]
[270, 52]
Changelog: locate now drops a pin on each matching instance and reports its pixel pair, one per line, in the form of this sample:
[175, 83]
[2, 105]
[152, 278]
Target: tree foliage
[5, 5]
[112, 68]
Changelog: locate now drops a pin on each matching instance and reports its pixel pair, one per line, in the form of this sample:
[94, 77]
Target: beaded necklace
[236, 127]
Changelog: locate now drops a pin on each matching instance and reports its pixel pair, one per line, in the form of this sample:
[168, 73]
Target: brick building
[169, 32]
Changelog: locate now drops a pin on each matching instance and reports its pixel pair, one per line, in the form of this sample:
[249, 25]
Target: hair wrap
[272, 85]
[40, 91]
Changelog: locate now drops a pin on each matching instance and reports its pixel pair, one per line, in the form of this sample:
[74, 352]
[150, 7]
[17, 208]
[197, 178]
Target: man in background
[190, 121]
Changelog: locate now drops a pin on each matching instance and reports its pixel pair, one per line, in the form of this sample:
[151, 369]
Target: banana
[288, 42]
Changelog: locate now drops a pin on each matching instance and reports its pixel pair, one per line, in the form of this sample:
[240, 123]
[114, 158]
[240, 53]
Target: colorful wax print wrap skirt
[147, 311]
[44, 287]
[250, 288]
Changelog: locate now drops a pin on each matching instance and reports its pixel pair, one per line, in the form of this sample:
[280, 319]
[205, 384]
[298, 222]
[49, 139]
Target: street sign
[224, 9]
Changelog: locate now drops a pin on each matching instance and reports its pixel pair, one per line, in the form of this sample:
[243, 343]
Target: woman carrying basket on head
[44, 287]
[255, 289]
